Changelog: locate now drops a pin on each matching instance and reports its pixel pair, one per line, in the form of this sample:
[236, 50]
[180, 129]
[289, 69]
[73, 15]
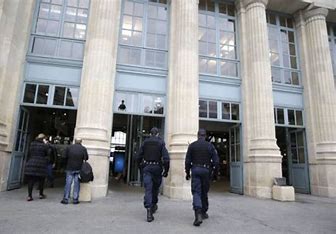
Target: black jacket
[75, 155]
[38, 159]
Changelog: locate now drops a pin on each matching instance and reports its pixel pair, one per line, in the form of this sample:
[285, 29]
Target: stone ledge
[283, 193]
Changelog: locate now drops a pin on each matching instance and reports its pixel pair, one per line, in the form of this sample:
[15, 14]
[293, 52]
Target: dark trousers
[152, 179]
[200, 184]
[50, 177]
[31, 181]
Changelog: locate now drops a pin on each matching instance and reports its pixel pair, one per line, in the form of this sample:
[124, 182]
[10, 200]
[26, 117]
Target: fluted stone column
[320, 100]
[263, 161]
[182, 116]
[15, 25]
[94, 116]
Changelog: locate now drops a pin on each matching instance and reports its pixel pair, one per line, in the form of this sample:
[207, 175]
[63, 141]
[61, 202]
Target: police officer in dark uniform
[202, 160]
[153, 160]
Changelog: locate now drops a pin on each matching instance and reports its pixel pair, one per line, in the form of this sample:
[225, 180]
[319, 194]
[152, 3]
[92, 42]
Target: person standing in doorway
[36, 166]
[153, 160]
[52, 156]
[74, 155]
[201, 159]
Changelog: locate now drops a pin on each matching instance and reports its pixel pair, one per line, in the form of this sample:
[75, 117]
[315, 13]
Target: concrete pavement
[122, 212]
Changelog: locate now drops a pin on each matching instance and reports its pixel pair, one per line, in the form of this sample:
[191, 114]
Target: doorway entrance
[226, 137]
[57, 124]
[292, 144]
[128, 133]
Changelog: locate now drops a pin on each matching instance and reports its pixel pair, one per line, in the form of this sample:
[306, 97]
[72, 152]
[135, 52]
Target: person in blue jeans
[75, 155]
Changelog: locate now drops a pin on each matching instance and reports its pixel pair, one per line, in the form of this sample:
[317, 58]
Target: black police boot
[205, 215]
[154, 208]
[198, 218]
[150, 216]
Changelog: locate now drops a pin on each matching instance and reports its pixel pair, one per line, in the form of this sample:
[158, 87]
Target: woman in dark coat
[36, 166]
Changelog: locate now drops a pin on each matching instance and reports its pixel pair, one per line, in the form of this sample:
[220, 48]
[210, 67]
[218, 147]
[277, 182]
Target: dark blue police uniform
[152, 156]
[201, 159]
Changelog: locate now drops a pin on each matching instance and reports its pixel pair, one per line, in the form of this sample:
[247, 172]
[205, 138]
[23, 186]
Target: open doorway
[57, 124]
[226, 138]
[128, 133]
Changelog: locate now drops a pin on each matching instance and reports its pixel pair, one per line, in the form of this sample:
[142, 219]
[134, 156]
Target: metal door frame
[240, 163]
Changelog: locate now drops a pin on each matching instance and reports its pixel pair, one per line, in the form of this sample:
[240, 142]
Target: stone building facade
[258, 74]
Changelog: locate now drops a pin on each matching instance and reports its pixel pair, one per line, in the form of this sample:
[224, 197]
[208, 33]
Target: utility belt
[201, 165]
[151, 162]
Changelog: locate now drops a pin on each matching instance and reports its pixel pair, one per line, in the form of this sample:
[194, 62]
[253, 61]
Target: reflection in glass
[291, 117]
[281, 116]
[212, 109]
[42, 94]
[203, 109]
[299, 120]
[158, 105]
[72, 97]
[29, 95]
[235, 111]
[225, 110]
[301, 155]
[59, 96]
[147, 104]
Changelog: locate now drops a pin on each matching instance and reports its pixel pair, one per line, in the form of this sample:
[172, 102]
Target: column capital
[246, 3]
[311, 14]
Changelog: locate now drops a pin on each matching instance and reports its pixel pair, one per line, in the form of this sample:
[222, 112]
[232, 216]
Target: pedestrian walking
[36, 166]
[153, 160]
[201, 159]
[52, 156]
[74, 155]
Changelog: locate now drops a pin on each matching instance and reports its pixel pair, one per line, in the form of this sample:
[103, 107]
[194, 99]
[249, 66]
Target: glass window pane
[301, 155]
[78, 50]
[29, 95]
[38, 45]
[202, 65]
[72, 3]
[135, 56]
[227, 38]
[291, 37]
[150, 40]
[128, 8]
[283, 22]
[291, 117]
[293, 62]
[231, 10]
[59, 96]
[276, 75]
[235, 111]
[44, 10]
[202, 20]
[147, 104]
[65, 49]
[161, 42]
[233, 153]
[150, 58]
[238, 152]
[294, 156]
[55, 12]
[211, 6]
[211, 50]
[299, 119]
[227, 51]
[70, 14]
[41, 26]
[72, 97]
[290, 23]
[160, 59]
[287, 77]
[292, 49]
[137, 24]
[49, 47]
[203, 109]
[295, 78]
[68, 30]
[202, 5]
[275, 59]
[42, 94]
[84, 3]
[300, 138]
[80, 31]
[222, 8]
[211, 22]
[229, 69]
[212, 66]
[152, 12]
[162, 13]
[59, 2]
[212, 110]
[272, 19]
[138, 9]
[158, 105]
[137, 38]
[281, 116]
[225, 110]
[123, 55]
[52, 28]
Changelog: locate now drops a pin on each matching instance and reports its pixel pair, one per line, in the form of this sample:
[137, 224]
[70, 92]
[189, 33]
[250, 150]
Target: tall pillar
[320, 100]
[263, 160]
[15, 25]
[94, 115]
[182, 116]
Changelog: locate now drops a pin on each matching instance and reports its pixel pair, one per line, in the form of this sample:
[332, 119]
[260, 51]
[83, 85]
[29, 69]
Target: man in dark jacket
[75, 155]
[36, 166]
[52, 156]
[201, 158]
[151, 157]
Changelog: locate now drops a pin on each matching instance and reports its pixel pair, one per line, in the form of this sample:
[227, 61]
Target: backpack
[86, 174]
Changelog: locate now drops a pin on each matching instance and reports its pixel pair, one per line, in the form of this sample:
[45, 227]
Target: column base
[5, 159]
[179, 193]
[98, 191]
[323, 179]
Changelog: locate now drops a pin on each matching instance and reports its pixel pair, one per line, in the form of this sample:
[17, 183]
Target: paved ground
[122, 212]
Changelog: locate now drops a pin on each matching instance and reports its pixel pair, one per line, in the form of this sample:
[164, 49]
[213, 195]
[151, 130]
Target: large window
[50, 95]
[217, 39]
[218, 110]
[60, 28]
[283, 50]
[288, 117]
[143, 36]
[332, 46]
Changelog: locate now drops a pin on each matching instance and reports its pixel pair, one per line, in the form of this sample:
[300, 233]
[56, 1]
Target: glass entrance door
[20, 148]
[236, 166]
[297, 161]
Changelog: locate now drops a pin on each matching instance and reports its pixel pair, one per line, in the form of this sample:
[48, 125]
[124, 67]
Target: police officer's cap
[201, 132]
[154, 131]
